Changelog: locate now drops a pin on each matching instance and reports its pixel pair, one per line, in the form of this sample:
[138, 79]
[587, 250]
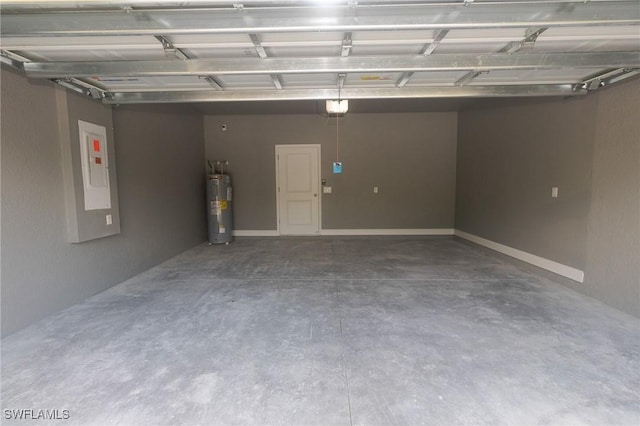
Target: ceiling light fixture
[337, 106]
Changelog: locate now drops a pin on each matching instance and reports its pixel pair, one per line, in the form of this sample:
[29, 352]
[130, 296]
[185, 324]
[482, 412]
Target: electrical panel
[95, 166]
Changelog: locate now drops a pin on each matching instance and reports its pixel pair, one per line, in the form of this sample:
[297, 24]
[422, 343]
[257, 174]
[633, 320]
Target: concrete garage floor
[331, 331]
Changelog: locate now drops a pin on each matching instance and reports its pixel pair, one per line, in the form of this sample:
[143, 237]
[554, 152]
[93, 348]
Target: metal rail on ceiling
[276, 65]
[427, 16]
[345, 93]
[254, 4]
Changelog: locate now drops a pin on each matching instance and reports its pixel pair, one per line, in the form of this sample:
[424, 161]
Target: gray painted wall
[158, 157]
[411, 157]
[508, 160]
[613, 241]
[162, 182]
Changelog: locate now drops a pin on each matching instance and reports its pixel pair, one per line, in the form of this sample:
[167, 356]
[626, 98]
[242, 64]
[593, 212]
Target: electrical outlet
[375, 189]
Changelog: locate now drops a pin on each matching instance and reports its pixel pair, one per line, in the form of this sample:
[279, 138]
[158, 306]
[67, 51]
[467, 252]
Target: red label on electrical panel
[96, 145]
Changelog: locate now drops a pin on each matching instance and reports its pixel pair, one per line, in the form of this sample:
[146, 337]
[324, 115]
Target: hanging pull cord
[337, 137]
[338, 123]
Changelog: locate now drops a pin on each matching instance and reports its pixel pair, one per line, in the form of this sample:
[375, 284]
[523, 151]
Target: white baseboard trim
[436, 231]
[346, 232]
[255, 233]
[541, 262]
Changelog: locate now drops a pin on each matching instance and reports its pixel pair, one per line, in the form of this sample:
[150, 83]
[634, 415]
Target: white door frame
[319, 147]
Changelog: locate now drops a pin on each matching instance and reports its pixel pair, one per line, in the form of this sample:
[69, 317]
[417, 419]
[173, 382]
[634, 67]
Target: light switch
[326, 190]
[375, 189]
[109, 219]
[554, 192]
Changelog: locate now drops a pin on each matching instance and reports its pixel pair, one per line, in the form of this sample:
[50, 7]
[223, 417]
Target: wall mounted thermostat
[95, 166]
[337, 167]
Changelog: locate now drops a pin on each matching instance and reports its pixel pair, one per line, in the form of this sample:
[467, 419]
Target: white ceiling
[203, 51]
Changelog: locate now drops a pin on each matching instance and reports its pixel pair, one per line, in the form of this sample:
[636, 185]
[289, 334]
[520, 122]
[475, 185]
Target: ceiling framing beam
[254, 66]
[68, 4]
[277, 81]
[213, 82]
[345, 93]
[469, 77]
[427, 50]
[404, 78]
[170, 50]
[627, 73]
[82, 87]
[71, 86]
[426, 16]
[528, 41]
[12, 59]
[93, 90]
[14, 56]
[257, 44]
[262, 54]
[607, 78]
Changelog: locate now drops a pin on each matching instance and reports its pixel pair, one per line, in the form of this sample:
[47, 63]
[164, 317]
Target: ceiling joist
[608, 77]
[300, 49]
[437, 38]
[305, 17]
[527, 42]
[257, 44]
[427, 50]
[276, 65]
[213, 82]
[513, 47]
[128, 4]
[170, 50]
[354, 93]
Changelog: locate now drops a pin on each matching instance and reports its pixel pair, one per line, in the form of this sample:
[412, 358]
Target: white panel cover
[95, 166]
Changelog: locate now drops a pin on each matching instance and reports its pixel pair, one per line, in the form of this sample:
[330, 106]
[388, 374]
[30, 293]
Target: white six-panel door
[298, 184]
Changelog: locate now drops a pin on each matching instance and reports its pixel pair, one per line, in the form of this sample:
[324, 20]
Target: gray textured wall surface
[162, 182]
[613, 243]
[508, 160]
[158, 159]
[410, 157]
